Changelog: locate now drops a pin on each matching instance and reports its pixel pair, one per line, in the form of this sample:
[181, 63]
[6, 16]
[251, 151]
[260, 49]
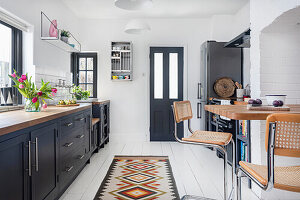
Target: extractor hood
[241, 41]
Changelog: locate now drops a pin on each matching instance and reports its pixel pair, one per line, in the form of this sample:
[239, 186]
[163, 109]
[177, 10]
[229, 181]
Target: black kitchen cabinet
[106, 123]
[40, 162]
[14, 179]
[44, 145]
[94, 137]
[102, 111]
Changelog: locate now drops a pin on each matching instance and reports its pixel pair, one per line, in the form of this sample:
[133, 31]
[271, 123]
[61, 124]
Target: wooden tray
[224, 87]
[68, 105]
[268, 108]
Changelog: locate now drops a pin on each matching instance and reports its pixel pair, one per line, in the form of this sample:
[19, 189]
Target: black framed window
[10, 55]
[84, 68]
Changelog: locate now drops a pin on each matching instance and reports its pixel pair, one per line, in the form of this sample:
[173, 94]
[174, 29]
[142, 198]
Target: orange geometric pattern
[143, 179]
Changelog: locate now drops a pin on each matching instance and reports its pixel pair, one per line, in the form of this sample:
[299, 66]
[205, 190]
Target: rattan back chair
[283, 139]
[182, 111]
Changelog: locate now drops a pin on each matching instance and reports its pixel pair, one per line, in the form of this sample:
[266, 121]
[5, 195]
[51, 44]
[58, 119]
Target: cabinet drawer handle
[68, 144]
[29, 159]
[80, 119]
[69, 168]
[80, 157]
[36, 155]
[69, 124]
[80, 136]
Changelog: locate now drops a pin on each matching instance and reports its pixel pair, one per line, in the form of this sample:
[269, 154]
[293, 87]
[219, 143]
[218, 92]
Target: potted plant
[64, 35]
[79, 93]
[33, 96]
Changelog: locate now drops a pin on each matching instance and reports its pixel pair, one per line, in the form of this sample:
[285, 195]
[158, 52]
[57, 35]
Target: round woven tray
[224, 87]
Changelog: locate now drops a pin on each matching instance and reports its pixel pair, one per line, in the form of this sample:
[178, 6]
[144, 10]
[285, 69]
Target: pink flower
[45, 106]
[54, 90]
[24, 77]
[21, 80]
[14, 75]
[34, 99]
[53, 94]
[21, 86]
[40, 93]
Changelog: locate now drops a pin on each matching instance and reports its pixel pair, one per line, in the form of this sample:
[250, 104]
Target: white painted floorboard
[197, 170]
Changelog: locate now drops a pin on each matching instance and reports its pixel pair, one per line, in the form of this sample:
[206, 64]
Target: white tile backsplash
[63, 92]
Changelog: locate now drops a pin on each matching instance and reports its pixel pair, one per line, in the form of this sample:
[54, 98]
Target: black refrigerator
[217, 61]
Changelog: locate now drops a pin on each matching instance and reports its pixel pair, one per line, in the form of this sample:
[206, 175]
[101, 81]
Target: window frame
[16, 55]
[75, 69]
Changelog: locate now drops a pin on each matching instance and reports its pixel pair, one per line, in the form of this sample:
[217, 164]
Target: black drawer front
[67, 125]
[73, 142]
[79, 120]
[71, 165]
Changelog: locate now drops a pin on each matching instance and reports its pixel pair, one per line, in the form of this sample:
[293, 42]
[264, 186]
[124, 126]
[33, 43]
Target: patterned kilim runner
[138, 177]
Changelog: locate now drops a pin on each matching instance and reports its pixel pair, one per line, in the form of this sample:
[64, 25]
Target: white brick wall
[280, 63]
[274, 56]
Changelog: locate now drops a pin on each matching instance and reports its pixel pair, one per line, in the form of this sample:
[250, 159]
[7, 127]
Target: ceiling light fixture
[134, 4]
[136, 26]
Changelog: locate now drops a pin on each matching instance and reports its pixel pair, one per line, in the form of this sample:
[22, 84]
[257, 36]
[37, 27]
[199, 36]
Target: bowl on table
[271, 98]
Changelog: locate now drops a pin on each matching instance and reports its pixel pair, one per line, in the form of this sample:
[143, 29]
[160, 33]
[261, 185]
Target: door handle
[69, 124]
[69, 168]
[80, 119]
[68, 144]
[199, 95]
[80, 136]
[199, 110]
[80, 157]
[29, 159]
[36, 155]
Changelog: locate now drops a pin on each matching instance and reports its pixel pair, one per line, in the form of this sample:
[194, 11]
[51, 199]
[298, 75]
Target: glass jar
[32, 107]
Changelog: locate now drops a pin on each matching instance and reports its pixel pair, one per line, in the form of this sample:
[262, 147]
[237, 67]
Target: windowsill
[10, 108]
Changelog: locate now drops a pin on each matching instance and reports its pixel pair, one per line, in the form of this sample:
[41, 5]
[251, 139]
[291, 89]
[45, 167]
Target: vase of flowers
[33, 97]
[79, 93]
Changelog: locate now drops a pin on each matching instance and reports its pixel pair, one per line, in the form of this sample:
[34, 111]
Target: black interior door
[166, 86]
[44, 163]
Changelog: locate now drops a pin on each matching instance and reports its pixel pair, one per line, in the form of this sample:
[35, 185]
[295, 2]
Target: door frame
[185, 82]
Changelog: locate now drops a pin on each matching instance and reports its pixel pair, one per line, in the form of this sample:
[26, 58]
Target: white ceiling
[105, 9]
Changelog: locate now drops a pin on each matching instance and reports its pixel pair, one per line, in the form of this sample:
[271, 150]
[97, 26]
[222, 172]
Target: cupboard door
[14, 181]
[44, 163]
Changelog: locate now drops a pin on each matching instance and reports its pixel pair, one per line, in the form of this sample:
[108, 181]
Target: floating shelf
[71, 46]
[121, 61]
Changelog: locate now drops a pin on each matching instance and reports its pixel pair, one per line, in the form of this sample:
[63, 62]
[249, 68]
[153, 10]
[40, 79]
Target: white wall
[130, 100]
[47, 58]
[262, 14]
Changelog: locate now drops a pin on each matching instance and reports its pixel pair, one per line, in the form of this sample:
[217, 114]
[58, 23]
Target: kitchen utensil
[240, 93]
[224, 87]
[238, 85]
[271, 98]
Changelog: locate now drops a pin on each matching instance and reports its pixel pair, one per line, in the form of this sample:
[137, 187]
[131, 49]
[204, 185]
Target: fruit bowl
[272, 98]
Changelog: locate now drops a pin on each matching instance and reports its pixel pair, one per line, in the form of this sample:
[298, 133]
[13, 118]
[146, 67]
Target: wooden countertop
[17, 120]
[240, 112]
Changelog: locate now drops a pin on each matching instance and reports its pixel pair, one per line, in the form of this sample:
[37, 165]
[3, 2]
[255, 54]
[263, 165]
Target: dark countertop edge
[100, 102]
[26, 124]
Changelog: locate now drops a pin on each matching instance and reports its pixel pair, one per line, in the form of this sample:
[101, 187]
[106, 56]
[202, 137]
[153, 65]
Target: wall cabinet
[40, 162]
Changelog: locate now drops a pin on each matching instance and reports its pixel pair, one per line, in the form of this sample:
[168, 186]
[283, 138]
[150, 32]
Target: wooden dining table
[240, 112]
